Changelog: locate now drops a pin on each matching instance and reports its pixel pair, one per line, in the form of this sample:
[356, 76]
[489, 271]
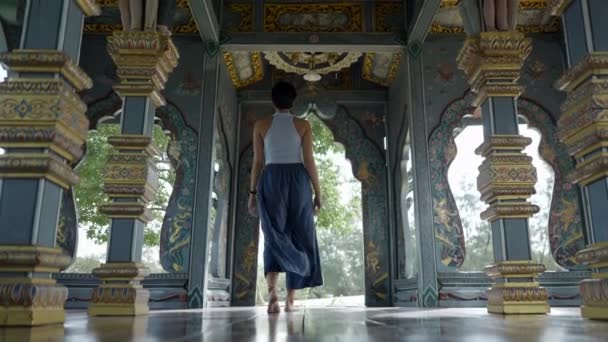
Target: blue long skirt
[286, 210]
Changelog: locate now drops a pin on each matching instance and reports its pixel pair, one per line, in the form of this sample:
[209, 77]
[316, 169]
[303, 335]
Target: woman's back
[282, 141]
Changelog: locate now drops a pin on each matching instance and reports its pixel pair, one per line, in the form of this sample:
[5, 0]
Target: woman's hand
[317, 204]
[252, 205]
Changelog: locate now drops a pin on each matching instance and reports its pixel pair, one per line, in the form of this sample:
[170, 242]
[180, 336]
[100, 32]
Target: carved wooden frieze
[327, 17]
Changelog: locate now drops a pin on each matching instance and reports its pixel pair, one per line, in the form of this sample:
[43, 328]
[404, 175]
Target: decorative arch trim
[565, 224]
[177, 223]
[368, 166]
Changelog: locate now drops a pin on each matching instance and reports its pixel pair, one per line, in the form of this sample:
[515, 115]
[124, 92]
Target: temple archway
[368, 166]
[177, 222]
[564, 226]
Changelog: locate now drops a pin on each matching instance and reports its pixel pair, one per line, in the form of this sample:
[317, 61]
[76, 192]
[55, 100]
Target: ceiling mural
[388, 16]
[238, 17]
[314, 17]
[381, 68]
[530, 19]
[245, 68]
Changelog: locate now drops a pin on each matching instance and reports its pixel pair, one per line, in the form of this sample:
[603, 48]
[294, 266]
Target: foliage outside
[338, 225]
[89, 195]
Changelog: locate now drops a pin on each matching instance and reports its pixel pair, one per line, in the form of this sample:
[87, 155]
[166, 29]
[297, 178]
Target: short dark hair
[283, 95]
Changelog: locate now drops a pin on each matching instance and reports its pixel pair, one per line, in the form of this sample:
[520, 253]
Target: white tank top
[282, 143]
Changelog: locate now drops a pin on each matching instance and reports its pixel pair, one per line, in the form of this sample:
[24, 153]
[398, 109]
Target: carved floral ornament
[312, 65]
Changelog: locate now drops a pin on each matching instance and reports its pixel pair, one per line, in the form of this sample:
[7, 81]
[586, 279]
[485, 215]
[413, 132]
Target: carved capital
[492, 63]
[37, 165]
[593, 64]
[47, 61]
[590, 169]
[144, 60]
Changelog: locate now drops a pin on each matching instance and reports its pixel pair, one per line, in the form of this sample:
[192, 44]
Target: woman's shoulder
[303, 123]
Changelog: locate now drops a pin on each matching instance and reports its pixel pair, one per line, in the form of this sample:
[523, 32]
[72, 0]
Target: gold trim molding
[144, 60]
[89, 7]
[492, 63]
[47, 61]
[381, 10]
[256, 65]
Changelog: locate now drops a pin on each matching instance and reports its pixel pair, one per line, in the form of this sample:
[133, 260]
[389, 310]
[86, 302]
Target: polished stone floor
[321, 324]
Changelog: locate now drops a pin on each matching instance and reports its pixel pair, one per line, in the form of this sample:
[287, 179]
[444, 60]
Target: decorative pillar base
[515, 291]
[32, 302]
[26, 301]
[595, 298]
[595, 291]
[120, 293]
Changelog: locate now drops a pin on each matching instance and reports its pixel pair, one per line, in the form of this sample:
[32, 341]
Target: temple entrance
[339, 228]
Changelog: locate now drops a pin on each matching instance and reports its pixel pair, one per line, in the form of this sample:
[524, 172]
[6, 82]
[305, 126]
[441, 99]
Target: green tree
[89, 192]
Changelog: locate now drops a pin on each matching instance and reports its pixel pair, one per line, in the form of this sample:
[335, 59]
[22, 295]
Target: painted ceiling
[247, 68]
[530, 19]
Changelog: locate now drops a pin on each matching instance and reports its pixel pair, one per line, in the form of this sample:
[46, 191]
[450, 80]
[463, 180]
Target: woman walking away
[283, 154]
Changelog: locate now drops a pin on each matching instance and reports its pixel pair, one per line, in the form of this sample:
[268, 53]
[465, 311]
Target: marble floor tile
[320, 324]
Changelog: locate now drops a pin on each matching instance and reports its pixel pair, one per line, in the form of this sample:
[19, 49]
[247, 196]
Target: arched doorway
[369, 168]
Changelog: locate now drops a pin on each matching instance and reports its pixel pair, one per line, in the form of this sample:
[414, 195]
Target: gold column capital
[144, 60]
[492, 63]
[47, 61]
[593, 64]
[595, 255]
[89, 7]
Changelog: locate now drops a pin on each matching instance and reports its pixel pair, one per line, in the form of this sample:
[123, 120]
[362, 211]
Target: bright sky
[2, 73]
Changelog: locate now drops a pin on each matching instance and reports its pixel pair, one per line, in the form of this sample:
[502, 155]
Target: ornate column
[492, 62]
[583, 127]
[43, 130]
[144, 61]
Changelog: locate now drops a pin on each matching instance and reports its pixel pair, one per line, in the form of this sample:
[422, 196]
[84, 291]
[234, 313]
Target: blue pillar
[582, 127]
[43, 130]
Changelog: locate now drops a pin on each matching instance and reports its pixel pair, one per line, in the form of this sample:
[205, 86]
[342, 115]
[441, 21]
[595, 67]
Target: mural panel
[327, 17]
[565, 225]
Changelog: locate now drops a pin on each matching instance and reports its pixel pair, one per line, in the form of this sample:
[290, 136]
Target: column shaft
[492, 63]
[583, 127]
[43, 130]
[144, 61]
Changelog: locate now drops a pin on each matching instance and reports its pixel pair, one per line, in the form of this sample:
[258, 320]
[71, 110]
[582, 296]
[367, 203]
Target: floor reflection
[320, 324]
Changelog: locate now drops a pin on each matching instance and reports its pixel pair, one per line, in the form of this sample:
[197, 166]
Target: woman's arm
[256, 167]
[258, 157]
[309, 162]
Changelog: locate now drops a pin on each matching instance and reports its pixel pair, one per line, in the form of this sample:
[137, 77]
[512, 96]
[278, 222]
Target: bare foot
[290, 306]
[273, 306]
